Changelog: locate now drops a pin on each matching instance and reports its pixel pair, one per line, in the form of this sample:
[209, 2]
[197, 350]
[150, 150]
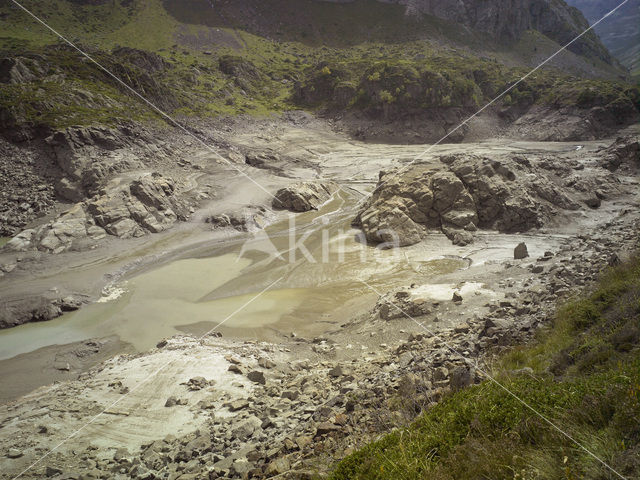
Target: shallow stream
[303, 274]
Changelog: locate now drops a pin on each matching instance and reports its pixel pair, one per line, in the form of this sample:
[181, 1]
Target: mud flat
[201, 405]
[302, 336]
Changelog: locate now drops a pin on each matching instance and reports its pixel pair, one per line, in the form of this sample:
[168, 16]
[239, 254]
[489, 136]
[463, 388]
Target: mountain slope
[621, 32]
[199, 59]
[350, 21]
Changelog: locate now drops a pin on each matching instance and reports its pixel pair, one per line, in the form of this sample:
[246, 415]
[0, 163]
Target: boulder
[278, 466]
[520, 251]
[264, 362]
[38, 308]
[257, 377]
[462, 194]
[14, 453]
[461, 377]
[304, 196]
[21, 242]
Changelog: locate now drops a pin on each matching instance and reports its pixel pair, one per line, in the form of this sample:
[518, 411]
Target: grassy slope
[193, 84]
[585, 376]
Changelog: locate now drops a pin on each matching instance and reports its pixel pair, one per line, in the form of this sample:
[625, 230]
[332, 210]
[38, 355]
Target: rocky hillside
[260, 57]
[507, 22]
[620, 33]
[346, 21]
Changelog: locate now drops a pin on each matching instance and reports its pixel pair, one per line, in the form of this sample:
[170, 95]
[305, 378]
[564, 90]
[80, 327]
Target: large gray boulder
[304, 196]
[520, 251]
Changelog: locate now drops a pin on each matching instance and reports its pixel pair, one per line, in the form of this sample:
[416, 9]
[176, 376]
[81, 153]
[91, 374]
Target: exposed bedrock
[147, 204]
[303, 196]
[81, 155]
[510, 194]
[623, 153]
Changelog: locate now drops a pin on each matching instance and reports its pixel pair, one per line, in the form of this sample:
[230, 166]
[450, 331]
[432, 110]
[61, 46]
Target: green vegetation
[398, 87]
[316, 24]
[173, 52]
[584, 375]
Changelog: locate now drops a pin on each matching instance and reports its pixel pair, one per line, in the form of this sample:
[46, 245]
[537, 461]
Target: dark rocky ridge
[507, 20]
[301, 20]
[619, 33]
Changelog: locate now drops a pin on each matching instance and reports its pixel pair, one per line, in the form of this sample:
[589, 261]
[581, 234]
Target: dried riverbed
[315, 335]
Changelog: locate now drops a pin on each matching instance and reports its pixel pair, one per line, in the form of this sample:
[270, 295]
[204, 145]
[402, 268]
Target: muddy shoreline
[274, 391]
[367, 355]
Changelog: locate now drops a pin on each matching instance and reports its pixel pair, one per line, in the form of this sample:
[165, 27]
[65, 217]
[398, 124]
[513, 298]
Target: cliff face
[506, 20]
[620, 32]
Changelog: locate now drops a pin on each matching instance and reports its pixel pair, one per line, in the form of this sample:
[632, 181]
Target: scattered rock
[198, 383]
[69, 304]
[264, 362]
[325, 428]
[461, 377]
[520, 251]
[52, 471]
[239, 404]
[14, 453]
[173, 401]
[257, 377]
[278, 466]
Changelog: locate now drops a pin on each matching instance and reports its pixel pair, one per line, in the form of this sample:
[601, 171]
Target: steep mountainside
[352, 20]
[507, 20]
[377, 60]
[621, 32]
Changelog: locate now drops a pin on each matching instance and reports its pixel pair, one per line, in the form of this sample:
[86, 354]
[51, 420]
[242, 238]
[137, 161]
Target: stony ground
[210, 408]
[213, 407]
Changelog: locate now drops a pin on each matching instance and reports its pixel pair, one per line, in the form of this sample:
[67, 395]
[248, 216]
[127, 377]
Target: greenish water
[299, 277]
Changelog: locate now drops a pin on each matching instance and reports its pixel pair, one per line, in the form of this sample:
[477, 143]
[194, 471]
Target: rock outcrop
[509, 195]
[251, 218]
[624, 152]
[19, 70]
[145, 205]
[35, 308]
[74, 151]
[304, 196]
